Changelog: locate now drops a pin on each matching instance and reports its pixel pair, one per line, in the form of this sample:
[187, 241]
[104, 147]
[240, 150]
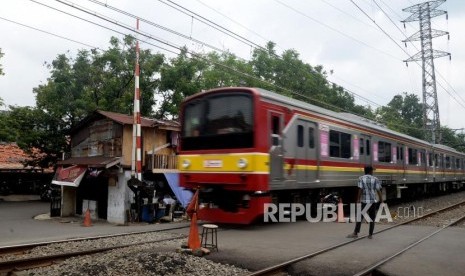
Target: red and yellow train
[244, 147]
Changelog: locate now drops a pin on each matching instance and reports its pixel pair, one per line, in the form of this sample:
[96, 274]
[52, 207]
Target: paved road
[17, 225]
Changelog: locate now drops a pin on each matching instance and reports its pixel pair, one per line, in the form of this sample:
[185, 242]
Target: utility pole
[423, 13]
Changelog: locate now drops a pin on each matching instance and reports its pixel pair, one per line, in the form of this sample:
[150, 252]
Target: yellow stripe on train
[259, 163]
[234, 162]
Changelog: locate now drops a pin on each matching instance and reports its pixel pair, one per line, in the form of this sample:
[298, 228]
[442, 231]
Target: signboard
[70, 176]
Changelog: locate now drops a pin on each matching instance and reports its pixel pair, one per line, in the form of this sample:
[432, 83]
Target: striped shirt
[369, 184]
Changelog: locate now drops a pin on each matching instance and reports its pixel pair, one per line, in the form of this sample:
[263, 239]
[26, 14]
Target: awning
[183, 196]
[70, 176]
[93, 161]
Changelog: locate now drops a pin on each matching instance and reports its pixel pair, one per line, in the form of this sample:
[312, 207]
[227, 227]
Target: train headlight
[186, 163]
[242, 163]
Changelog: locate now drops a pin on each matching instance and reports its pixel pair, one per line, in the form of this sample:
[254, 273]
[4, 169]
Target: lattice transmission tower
[423, 13]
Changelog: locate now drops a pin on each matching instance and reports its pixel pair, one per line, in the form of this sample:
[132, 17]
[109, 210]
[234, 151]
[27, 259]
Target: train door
[305, 151]
[402, 159]
[276, 146]
[365, 150]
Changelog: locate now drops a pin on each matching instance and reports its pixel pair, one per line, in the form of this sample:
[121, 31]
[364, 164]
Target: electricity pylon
[423, 13]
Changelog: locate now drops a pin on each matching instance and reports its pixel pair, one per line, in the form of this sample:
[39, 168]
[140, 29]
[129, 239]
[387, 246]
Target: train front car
[224, 154]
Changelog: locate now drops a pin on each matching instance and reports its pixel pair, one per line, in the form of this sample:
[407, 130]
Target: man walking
[367, 185]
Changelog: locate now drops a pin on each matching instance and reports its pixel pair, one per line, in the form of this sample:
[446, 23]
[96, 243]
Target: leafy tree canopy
[404, 113]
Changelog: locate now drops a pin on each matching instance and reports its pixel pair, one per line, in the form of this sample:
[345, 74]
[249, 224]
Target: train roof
[342, 116]
[346, 117]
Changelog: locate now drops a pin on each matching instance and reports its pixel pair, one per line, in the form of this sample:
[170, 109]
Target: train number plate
[213, 163]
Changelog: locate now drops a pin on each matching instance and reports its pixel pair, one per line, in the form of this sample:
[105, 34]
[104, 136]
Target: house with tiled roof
[96, 175]
[12, 157]
[15, 177]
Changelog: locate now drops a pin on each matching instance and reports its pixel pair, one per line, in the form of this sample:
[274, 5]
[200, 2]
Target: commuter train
[244, 147]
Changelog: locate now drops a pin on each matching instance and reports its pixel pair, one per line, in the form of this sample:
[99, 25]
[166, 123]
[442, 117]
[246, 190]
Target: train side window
[412, 156]
[340, 144]
[368, 147]
[384, 152]
[430, 159]
[448, 162]
[300, 136]
[362, 146]
[401, 151]
[275, 124]
[457, 163]
[311, 137]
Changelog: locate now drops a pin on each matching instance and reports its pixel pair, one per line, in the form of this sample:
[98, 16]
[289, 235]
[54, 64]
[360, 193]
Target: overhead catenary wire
[234, 21]
[93, 23]
[205, 59]
[411, 42]
[228, 68]
[447, 91]
[335, 30]
[255, 44]
[191, 13]
[272, 84]
[49, 33]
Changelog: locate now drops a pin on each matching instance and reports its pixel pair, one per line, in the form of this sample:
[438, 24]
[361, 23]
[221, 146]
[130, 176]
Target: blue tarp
[183, 196]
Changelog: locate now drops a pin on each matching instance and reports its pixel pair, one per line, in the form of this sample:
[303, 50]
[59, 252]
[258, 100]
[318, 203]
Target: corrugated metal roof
[125, 119]
[93, 161]
[145, 122]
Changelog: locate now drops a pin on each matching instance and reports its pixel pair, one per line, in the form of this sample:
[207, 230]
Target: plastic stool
[212, 229]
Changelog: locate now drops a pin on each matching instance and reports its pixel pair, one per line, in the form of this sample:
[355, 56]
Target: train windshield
[220, 121]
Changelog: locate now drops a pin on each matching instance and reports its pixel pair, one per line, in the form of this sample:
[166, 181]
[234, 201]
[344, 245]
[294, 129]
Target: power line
[210, 61]
[437, 71]
[232, 20]
[403, 50]
[94, 23]
[210, 23]
[389, 36]
[348, 14]
[334, 29]
[49, 33]
[205, 59]
[217, 25]
[258, 46]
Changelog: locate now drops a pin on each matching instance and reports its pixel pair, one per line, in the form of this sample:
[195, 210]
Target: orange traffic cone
[193, 241]
[87, 222]
[340, 211]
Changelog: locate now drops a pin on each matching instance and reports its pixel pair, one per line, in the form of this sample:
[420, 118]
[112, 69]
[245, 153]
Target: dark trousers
[371, 213]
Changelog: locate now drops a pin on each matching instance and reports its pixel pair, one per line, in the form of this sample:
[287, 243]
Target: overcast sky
[333, 33]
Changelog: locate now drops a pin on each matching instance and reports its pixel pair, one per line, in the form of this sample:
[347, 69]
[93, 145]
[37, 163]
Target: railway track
[281, 268]
[21, 248]
[13, 266]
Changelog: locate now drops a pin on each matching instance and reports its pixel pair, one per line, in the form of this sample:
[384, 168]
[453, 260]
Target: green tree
[452, 138]
[404, 113]
[31, 129]
[77, 86]
[99, 80]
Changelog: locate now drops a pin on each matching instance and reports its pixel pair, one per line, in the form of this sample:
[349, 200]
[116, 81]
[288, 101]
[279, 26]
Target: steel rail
[371, 268]
[19, 248]
[282, 266]
[28, 263]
